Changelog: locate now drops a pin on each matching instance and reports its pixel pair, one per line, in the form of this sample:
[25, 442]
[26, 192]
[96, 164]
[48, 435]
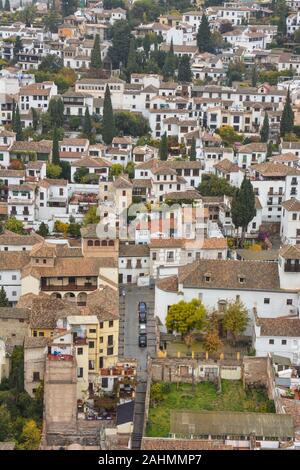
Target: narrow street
[129, 347]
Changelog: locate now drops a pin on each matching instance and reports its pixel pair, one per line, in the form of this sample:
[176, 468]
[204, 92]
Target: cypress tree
[7, 5]
[108, 122]
[287, 117]
[269, 150]
[163, 147]
[17, 126]
[35, 119]
[55, 147]
[13, 114]
[3, 298]
[96, 61]
[184, 69]
[193, 150]
[254, 76]
[204, 36]
[132, 65]
[265, 130]
[87, 124]
[243, 207]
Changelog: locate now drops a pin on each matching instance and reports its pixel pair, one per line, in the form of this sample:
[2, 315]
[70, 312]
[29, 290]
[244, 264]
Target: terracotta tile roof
[45, 311]
[292, 205]
[182, 164]
[227, 166]
[91, 162]
[253, 147]
[167, 243]
[142, 183]
[226, 274]
[11, 238]
[279, 326]
[43, 250]
[163, 170]
[13, 260]
[168, 284]
[290, 252]
[72, 142]
[214, 244]
[272, 169]
[14, 313]
[163, 443]
[286, 157]
[12, 173]
[104, 303]
[43, 146]
[189, 194]
[131, 250]
[122, 182]
[32, 342]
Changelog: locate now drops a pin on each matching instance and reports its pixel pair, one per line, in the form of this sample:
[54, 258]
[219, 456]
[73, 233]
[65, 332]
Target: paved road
[129, 325]
[129, 347]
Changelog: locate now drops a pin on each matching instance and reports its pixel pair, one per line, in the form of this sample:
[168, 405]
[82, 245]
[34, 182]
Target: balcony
[68, 287]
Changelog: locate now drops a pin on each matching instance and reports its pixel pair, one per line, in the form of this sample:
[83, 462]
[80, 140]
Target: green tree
[212, 341]
[91, 216]
[7, 5]
[204, 36]
[68, 7]
[18, 46]
[129, 170]
[53, 171]
[128, 123]
[80, 173]
[55, 147]
[56, 112]
[193, 153]
[17, 126]
[30, 437]
[184, 317]
[243, 206]
[28, 15]
[211, 185]
[170, 63]
[16, 376]
[52, 21]
[281, 11]
[5, 423]
[43, 230]
[74, 230]
[269, 150]
[235, 318]
[96, 61]
[235, 72]
[115, 170]
[51, 63]
[118, 52]
[87, 124]
[4, 302]
[108, 122]
[65, 170]
[184, 69]
[15, 226]
[229, 136]
[254, 76]
[287, 117]
[163, 147]
[35, 119]
[265, 130]
[132, 65]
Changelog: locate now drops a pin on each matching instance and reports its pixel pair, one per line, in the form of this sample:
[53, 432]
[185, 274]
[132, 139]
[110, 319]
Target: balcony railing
[69, 287]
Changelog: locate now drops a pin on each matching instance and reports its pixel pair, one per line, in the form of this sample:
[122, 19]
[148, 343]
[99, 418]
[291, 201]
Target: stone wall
[13, 330]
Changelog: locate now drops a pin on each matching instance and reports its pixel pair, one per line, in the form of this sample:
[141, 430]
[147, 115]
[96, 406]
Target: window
[294, 216]
[80, 351]
[92, 330]
[266, 300]
[170, 255]
[91, 344]
[34, 333]
[242, 280]
[91, 365]
[111, 323]
[41, 333]
[289, 301]
[14, 293]
[110, 340]
[79, 372]
[104, 382]
[271, 341]
[110, 351]
[154, 256]
[283, 342]
[36, 377]
[101, 339]
[14, 277]
[101, 324]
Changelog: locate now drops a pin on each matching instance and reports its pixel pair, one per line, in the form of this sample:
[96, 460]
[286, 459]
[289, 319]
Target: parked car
[142, 340]
[142, 312]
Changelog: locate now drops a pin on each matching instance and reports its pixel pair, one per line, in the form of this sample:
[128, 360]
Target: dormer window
[242, 279]
[207, 277]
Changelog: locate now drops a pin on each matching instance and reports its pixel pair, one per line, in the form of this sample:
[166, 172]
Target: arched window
[104, 243]
[111, 243]
[90, 243]
[97, 242]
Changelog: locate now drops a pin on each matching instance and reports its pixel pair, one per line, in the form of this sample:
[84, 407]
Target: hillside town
[149, 225]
